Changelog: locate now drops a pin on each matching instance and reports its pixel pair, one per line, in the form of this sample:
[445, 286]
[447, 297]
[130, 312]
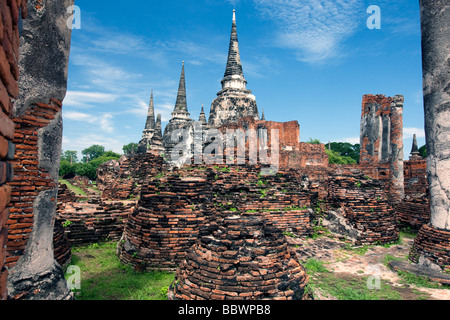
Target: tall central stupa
[234, 101]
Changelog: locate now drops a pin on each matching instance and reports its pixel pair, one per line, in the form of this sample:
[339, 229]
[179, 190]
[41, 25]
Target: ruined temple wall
[10, 13]
[375, 128]
[289, 132]
[307, 155]
[292, 153]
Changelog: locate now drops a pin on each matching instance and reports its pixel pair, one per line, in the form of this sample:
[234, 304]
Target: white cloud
[315, 29]
[352, 140]
[85, 99]
[409, 132]
[104, 120]
[82, 142]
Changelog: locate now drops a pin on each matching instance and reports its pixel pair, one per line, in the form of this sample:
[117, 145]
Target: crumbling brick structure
[11, 12]
[62, 249]
[33, 272]
[414, 210]
[240, 257]
[165, 222]
[171, 209]
[363, 203]
[122, 179]
[88, 223]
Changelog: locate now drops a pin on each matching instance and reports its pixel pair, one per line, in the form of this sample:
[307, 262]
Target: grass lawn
[78, 191]
[104, 277]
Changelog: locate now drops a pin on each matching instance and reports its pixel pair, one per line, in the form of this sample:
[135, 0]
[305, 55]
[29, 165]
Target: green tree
[66, 168]
[69, 156]
[313, 141]
[423, 151]
[346, 149]
[130, 148]
[335, 158]
[93, 152]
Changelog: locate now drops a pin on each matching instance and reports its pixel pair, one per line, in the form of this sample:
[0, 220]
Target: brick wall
[10, 11]
[363, 202]
[88, 223]
[434, 244]
[122, 179]
[416, 177]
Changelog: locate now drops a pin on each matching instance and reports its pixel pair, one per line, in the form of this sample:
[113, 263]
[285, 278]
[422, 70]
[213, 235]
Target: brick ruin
[34, 128]
[381, 138]
[240, 257]
[171, 209]
[11, 13]
[227, 221]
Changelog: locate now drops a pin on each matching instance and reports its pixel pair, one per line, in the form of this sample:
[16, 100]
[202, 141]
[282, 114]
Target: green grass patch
[420, 281]
[104, 277]
[78, 191]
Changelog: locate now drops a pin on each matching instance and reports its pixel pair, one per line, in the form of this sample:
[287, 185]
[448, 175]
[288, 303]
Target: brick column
[10, 13]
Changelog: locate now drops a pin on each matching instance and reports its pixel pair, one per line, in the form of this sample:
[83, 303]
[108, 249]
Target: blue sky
[305, 60]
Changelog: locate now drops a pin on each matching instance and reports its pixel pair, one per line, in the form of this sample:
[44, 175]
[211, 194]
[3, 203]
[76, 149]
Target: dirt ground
[348, 263]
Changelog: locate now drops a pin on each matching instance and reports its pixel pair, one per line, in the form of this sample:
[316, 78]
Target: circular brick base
[240, 257]
[433, 244]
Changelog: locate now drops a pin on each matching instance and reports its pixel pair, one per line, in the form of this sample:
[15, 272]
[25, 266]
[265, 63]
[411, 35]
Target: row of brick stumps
[240, 257]
[10, 12]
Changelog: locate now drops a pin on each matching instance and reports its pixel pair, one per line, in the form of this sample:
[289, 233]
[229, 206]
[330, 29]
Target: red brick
[3, 147]
[5, 102]
[6, 126]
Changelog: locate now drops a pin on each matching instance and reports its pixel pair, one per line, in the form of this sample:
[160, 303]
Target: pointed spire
[150, 124]
[415, 148]
[202, 117]
[233, 69]
[181, 104]
[263, 117]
